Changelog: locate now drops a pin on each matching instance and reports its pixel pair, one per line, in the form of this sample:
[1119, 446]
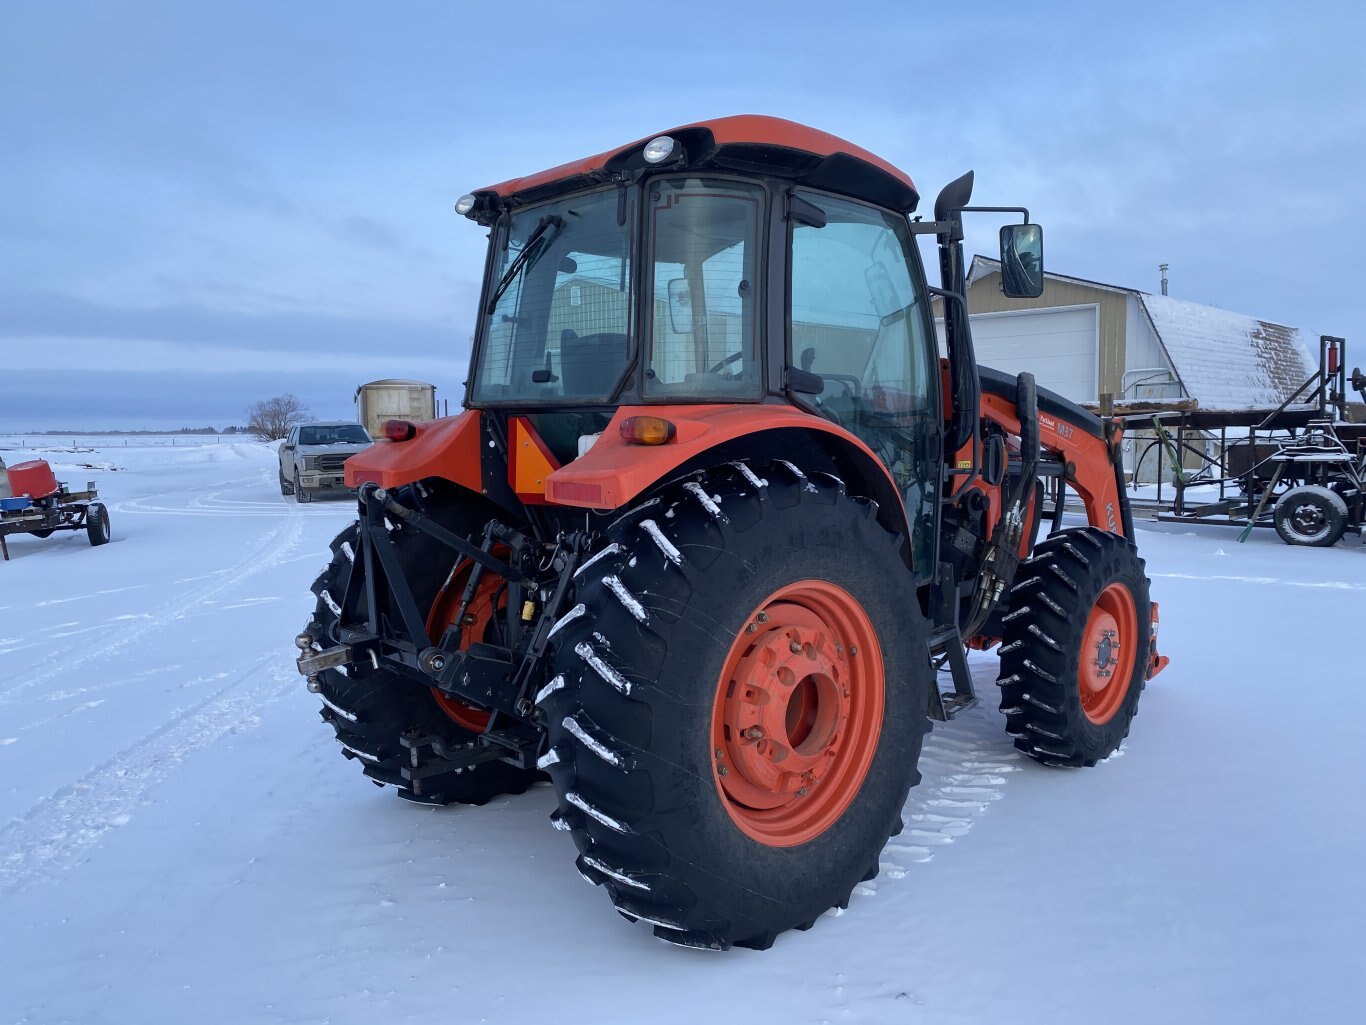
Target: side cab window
[858, 318]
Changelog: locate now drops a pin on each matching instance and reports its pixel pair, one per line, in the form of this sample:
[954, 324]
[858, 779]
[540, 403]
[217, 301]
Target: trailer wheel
[286, 486]
[738, 706]
[1075, 647]
[371, 709]
[1311, 515]
[97, 523]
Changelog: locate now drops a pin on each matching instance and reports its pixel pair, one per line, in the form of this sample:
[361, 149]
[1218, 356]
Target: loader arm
[1087, 447]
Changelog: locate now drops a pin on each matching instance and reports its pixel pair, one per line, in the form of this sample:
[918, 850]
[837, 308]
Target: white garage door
[1057, 346]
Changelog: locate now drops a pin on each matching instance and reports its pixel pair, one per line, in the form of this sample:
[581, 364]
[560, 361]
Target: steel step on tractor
[714, 520]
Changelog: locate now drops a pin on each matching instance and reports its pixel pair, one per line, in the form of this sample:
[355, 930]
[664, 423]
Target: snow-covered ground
[181, 842]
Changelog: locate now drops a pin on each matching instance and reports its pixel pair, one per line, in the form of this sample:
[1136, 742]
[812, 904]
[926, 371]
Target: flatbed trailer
[56, 508]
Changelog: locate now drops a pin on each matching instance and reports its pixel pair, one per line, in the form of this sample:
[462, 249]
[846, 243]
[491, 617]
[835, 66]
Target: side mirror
[1022, 261]
[680, 306]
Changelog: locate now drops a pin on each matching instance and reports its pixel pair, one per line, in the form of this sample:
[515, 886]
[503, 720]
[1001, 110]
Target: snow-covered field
[181, 842]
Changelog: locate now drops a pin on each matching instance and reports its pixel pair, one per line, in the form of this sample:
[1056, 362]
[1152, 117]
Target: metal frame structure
[1297, 443]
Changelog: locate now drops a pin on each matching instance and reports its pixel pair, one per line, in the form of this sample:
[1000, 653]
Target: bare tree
[272, 419]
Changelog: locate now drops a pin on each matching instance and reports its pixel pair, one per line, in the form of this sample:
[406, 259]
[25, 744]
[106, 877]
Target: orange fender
[446, 448]
[613, 471]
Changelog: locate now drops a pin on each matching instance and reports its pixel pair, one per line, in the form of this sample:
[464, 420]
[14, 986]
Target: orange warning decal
[529, 463]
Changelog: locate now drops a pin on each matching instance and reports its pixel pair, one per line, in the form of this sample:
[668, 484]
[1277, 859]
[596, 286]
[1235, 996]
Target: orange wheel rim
[1108, 651]
[797, 713]
[477, 619]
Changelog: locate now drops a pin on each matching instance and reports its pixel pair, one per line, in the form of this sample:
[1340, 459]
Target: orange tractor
[715, 517]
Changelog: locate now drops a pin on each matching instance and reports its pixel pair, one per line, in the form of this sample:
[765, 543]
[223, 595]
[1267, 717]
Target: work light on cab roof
[659, 149]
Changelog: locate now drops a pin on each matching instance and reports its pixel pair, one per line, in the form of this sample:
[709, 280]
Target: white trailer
[394, 399]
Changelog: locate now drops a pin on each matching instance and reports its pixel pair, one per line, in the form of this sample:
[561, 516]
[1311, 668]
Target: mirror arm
[997, 210]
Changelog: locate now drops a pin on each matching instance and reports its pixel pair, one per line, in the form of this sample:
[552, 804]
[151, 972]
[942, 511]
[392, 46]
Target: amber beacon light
[647, 430]
[398, 430]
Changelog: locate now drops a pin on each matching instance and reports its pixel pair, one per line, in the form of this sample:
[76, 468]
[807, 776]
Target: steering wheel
[734, 357]
[847, 380]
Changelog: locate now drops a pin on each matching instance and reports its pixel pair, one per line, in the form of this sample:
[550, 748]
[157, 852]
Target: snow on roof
[1224, 360]
[1229, 360]
[981, 266]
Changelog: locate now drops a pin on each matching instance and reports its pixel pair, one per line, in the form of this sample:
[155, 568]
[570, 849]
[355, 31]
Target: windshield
[558, 323]
[344, 434]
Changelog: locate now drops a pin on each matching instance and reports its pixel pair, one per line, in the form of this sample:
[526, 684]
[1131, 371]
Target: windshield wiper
[533, 245]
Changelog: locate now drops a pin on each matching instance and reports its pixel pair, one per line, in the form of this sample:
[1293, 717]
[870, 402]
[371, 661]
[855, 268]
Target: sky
[206, 205]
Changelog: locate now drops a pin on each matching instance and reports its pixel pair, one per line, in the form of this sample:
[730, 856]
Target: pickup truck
[312, 456]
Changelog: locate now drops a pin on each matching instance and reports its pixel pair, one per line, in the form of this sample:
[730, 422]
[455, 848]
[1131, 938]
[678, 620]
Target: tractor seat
[591, 364]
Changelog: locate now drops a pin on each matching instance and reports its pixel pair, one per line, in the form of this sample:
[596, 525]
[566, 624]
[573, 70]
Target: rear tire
[371, 709]
[97, 523]
[1076, 646]
[1311, 515]
[691, 611]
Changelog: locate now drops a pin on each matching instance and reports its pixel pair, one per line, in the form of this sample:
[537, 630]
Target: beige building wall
[984, 296]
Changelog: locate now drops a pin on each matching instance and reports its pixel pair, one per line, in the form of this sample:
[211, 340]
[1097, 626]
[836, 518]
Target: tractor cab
[744, 261]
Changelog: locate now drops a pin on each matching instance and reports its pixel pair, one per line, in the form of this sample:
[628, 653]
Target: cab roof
[747, 143]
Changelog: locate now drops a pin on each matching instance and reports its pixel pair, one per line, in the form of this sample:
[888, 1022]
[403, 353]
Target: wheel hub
[788, 700]
[1307, 518]
[798, 713]
[1107, 656]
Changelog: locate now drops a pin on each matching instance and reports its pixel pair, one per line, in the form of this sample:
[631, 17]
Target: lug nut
[762, 617]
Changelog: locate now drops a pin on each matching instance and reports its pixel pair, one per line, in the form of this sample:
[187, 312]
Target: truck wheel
[738, 706]
[1311, 515]
[286, 486]
[97, 523]
[370, 709]
[301, 494]
[1075, 648]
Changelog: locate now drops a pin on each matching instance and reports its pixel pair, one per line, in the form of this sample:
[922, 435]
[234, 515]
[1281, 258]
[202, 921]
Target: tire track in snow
[58, 831]
[270, 549]
[964, 767]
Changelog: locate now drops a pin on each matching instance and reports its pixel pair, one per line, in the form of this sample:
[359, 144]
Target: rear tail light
[398, 430]
[647, 430]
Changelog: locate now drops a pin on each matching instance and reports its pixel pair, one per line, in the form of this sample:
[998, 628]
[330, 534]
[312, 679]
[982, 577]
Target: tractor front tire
[371, 709]
[1076, 647]
[738, 706]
